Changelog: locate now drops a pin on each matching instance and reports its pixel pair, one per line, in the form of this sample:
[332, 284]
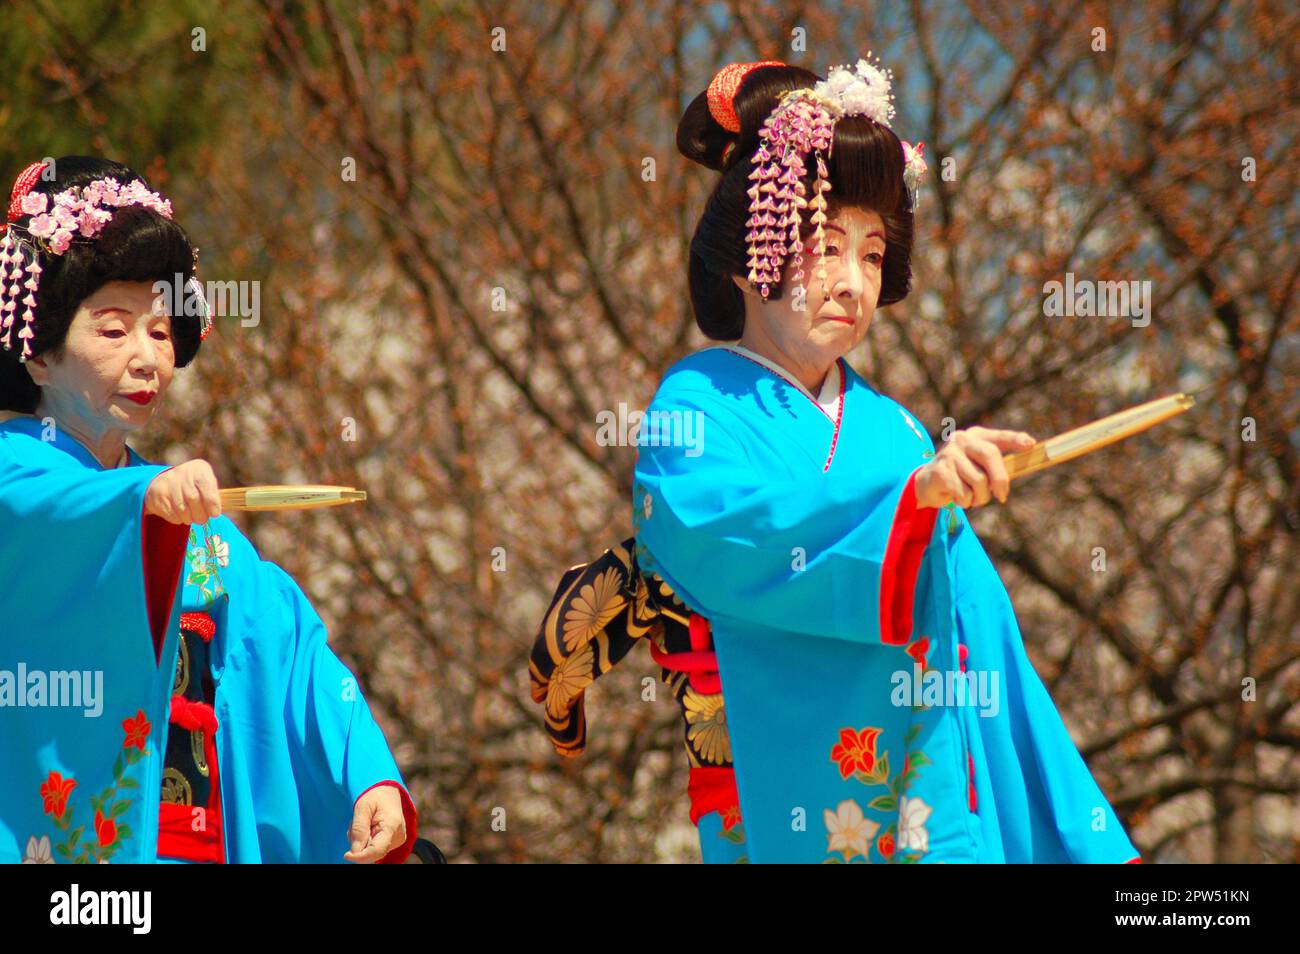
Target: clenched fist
[188, 493]
[969, 468]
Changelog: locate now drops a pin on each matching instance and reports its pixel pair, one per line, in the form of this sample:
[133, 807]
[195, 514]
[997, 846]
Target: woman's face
[835, 314]
[117, 363]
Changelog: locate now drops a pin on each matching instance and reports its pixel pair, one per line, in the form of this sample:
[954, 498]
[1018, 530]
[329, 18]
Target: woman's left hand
[378, 825]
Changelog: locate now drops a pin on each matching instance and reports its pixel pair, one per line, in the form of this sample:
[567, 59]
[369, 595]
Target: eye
[875, 258]
[113, 333]
[162, 336]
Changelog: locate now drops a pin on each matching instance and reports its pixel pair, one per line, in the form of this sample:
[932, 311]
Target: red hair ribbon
[722, 90]
[22, 185]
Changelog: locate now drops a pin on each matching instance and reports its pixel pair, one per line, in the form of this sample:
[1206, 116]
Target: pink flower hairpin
[75, 213]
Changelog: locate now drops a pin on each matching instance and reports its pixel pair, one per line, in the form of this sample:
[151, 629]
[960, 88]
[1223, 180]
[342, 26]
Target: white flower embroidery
[38, 852]
[221, 550]
[912, 816]
[849, 830]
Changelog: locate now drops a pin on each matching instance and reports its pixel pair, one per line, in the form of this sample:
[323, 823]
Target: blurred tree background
[469, 226]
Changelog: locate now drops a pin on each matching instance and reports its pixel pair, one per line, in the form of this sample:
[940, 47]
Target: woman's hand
[378, 825]
[188, 493]
[969, 468]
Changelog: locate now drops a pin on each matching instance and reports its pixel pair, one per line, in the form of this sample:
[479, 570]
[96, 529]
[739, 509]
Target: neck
[106, 444]
[811, 374]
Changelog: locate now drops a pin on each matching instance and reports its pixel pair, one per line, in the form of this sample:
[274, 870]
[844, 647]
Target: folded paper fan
[288, 497]
[1091, 437]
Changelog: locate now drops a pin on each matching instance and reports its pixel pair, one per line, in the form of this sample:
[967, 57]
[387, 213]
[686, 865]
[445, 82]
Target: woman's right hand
[968, 469]
[187, 493]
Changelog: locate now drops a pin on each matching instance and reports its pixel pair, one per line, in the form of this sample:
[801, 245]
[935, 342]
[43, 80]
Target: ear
[742, 284]
[39, 369]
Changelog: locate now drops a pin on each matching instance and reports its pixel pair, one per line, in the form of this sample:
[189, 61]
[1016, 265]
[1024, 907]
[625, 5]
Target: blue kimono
[879, 705]
[164, 692]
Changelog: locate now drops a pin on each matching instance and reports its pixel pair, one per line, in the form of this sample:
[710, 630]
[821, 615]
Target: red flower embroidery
[856, 751]
[918, 649]
[885, 845]
[105, 830]
[730, 817]
[137, 731]
[55, 790]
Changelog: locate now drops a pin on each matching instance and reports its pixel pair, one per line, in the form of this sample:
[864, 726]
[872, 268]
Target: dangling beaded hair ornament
[76, 214]
[803, 122]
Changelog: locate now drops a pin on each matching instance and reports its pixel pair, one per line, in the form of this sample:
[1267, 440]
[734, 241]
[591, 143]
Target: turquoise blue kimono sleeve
[300, 741]
[806, 556]
[1042, 804]
[90, 523]
[83, 695]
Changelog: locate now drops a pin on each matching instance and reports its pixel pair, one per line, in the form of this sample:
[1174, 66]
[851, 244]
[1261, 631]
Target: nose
[849, 282]
[145, 358]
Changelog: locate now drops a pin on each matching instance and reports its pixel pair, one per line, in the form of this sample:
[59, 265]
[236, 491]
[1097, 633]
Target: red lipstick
[140, 397]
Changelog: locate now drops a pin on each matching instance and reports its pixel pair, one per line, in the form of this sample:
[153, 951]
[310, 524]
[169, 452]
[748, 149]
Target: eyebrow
[101, 312]
[874, 233]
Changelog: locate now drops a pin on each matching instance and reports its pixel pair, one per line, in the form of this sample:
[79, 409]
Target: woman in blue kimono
[165, 694]
[852, 679]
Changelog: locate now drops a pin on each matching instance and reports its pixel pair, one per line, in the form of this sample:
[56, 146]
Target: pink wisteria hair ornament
[803, 123]
[77, 214]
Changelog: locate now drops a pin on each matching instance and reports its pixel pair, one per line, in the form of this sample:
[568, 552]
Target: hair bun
[731, 110]
[699, 136]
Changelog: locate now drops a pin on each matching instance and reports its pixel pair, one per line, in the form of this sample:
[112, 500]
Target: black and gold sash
[599, 612]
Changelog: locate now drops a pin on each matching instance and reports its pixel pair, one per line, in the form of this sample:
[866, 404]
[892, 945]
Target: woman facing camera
[164, 692]
[853, 683]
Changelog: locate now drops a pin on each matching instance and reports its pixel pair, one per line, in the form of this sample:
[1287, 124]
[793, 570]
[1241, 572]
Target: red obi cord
[907, 542]
[712, 788]
[200, 624]
[191, 832]
[700, 664]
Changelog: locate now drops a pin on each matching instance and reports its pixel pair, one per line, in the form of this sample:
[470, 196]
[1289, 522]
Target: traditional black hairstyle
[138, 245]
[865, 170]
